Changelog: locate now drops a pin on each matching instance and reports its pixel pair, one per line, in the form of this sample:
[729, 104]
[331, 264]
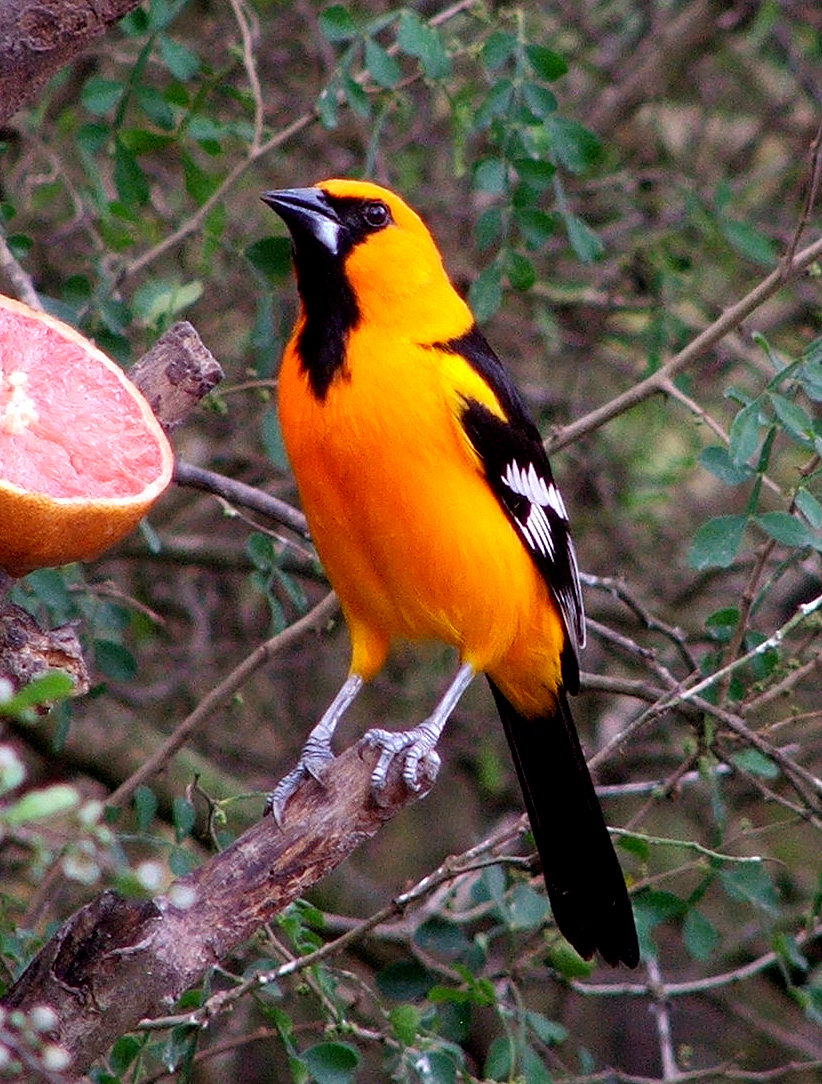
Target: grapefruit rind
[82, 456]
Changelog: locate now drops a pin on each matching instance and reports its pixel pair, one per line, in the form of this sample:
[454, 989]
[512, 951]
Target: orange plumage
[434, 512]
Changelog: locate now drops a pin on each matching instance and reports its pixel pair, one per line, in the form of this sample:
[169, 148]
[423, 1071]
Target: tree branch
[118, 961]
[39, 37]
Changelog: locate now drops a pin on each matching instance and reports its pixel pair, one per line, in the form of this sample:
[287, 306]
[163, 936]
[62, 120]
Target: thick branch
[118, 961]
[39, 37]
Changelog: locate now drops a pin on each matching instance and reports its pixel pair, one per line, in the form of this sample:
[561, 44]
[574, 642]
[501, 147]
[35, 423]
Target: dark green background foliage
[604, 179]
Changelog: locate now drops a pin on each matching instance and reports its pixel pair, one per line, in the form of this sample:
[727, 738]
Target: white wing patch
[541, 495]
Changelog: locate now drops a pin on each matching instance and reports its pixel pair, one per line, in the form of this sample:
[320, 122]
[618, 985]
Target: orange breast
[412, 538]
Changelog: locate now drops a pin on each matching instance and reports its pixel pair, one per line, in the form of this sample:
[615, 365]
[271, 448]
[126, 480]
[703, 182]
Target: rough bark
[117, 961]
[39, 37]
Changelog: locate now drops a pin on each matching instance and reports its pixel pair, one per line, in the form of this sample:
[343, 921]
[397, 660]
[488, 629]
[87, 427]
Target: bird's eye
[376, 214]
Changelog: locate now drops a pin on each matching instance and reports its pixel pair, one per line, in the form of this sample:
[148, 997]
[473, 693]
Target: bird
[432, 504]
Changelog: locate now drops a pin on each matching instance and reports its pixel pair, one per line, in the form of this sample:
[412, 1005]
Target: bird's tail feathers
[582, 873]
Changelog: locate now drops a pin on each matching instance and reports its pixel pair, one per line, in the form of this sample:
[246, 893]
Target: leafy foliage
[602, 189]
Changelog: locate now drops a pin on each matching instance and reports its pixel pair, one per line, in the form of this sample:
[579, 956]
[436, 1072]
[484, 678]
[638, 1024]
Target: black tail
[582, 873]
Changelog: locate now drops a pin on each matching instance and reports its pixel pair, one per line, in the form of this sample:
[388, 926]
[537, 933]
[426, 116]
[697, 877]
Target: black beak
[307, 210]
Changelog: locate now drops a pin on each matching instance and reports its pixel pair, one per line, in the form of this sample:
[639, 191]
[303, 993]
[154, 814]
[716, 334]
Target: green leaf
[751, 760]
[207, 132]
[748, 241]
[163, 12]
[423, 41]
[183, 816]
[536, 226]
[180, 861]
[405, 1020]
[162, 299]
[485, 293]
[540, 100]
[441, 937]
[356, 97]
[576, 147]
[199, 184]
[489, 176]
[497, 49]
[41, 804]
[436, 1067]
[547, 1031]
[382, 67]
[521, 272]
[547, 64]
[744, 434]
[700, 935]
[585, 242]
[496, 104]
[180, 61]
[809, 506]
[527, 909]
[327, 105]
[721, 624]
[488, 227]
[716, 459]
[271, 256]
[261, 550]
[331, 1063]
[114, 660]
[145, 806]
[155, 107]
[404, 980]
[129, 179]
[788, 530]
[793, 418]
[534, 1069]
[635, 845]
[55, 685]
[536, 173]
[750, 883]
[123, 1053]
[336, 23]
[785, 945]
[499, 1059]
[717, 542]
[99, 95]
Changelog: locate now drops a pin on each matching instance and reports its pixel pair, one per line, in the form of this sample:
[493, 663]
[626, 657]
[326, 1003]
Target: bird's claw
[313, 763]
[413, 746]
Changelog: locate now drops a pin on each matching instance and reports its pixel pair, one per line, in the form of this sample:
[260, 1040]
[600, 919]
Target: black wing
[519, 474]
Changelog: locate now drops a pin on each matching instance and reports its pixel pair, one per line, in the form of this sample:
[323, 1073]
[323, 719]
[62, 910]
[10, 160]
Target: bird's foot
[413, 746]
[313, 763]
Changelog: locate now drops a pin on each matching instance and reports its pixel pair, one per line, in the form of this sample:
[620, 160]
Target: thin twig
[314, 619]
[810, 197]
[250, 64]
[732, 317]
[20, 279]
[662, 1015]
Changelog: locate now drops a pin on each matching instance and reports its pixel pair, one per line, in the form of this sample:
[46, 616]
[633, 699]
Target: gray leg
[413, 745]
[316, 753]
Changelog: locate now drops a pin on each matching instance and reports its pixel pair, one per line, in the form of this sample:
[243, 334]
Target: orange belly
[413, 540]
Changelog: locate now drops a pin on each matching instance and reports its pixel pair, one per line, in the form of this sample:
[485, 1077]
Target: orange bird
[435, 513]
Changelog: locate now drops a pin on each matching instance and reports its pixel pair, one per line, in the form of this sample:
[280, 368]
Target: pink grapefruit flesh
[82, 457]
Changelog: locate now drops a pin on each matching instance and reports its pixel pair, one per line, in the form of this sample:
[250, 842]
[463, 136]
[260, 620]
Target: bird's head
[366, 232]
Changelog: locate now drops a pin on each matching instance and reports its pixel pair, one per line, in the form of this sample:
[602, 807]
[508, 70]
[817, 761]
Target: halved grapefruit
[82, 457]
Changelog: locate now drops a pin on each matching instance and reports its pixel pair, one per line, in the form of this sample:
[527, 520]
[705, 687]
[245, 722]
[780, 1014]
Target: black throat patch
[331, 312]
[331, 309]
